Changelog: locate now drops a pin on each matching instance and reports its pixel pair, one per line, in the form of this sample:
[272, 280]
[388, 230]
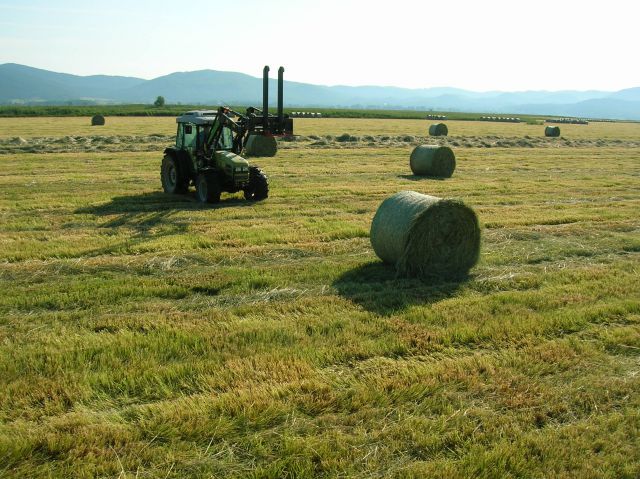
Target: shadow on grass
[375, 287]
[148, 210]
[421, 178]
[149, 216]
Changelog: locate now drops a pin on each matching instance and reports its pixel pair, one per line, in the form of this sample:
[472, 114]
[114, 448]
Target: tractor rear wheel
[258, 187]
[208, 188]
[172, 176]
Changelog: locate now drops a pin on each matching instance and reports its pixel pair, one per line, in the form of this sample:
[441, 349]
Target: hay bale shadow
[376, 288]
[421, 178]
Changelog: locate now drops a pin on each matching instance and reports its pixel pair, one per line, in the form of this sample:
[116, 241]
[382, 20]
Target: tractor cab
[194, 129]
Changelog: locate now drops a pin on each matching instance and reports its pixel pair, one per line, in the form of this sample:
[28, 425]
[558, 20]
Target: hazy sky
[477, 45]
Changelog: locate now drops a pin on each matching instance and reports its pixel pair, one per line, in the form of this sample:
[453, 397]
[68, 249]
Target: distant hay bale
[438, 129]
[426, 236]
[260, 146]
[97, 120]
[432, 160]
[553, 131]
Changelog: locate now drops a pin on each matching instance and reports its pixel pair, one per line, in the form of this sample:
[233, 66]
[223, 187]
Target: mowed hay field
[81, 126]
[148, 336]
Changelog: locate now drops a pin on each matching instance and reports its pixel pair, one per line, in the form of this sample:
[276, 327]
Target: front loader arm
[239, 129]
[254, 121]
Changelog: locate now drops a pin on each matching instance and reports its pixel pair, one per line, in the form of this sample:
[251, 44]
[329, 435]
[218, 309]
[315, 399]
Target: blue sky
[488, 45]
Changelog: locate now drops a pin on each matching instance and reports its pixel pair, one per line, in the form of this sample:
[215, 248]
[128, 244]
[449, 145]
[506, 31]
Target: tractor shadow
[148, 210]
[376, 288]
[148, 216]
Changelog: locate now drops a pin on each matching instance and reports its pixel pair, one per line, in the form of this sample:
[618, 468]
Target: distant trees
[159, 101]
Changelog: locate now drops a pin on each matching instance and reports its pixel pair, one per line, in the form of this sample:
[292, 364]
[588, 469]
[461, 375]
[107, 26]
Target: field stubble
[148, 336]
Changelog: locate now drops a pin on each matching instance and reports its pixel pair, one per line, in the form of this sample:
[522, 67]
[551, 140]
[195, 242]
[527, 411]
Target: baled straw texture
[97, 120]
[432, 160]
[261, 145]
[438, 129]
[426, 236]
[553, 131]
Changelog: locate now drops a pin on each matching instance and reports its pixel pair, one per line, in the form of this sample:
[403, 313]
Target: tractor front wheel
[208, 188]
[172, 177]
[258, 187]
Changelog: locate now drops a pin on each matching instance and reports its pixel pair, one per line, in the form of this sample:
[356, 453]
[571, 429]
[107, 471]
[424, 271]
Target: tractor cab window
[226, 139]
[179, 135]
[203, 137]
[189, 137]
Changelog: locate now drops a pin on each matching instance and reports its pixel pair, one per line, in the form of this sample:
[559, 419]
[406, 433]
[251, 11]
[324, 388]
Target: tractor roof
[198, 117]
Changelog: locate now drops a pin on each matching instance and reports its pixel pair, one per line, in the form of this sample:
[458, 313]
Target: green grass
[147, 336]
[90, 110]
[173, 110]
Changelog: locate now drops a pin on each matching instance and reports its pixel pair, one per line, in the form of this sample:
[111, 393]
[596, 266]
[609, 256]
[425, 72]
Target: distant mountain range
[20, 84]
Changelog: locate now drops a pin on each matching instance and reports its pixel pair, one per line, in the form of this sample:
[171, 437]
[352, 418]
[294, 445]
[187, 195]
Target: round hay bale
[432, 160]
[97, 120]
[260, 146]
[438, 129]
[553, 131]
[426, 236]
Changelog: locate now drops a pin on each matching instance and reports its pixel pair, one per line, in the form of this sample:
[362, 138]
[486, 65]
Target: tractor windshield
[226, 139]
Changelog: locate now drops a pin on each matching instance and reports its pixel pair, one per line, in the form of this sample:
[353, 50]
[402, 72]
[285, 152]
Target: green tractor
[209, 144]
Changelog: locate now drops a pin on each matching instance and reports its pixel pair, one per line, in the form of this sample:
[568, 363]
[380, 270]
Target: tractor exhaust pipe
[265, 97]
[280, 92]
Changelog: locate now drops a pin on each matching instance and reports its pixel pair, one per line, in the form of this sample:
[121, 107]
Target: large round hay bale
[261, 145]
[426, 236]
[552, 131]
[438, 129]
[97, 120]
[432, 160]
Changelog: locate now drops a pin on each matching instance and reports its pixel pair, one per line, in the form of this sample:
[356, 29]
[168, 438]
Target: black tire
[258, 187]
[172, 176]
[208, 188]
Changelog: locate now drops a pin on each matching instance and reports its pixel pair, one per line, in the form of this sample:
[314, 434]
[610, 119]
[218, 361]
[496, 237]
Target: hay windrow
[433, 160]
[426, 236]
[438, 129]
[261, 146]
[119, 143]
